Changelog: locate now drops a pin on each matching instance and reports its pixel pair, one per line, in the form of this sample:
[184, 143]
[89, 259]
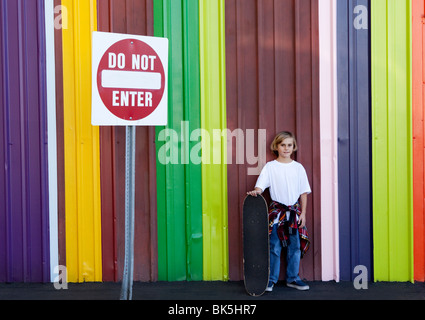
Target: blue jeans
[292, 258]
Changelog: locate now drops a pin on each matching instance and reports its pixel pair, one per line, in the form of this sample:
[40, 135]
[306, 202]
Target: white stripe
[329, 140]
[131, 79]
[51, 136]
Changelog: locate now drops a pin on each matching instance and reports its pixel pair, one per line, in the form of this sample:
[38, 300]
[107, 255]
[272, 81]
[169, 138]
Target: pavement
[171, 298]
[214, 290]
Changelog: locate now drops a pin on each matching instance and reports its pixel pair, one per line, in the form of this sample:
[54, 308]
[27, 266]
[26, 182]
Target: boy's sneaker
[270, 287]
[299, 285]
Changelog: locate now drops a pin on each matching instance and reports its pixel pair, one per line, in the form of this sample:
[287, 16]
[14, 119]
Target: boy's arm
[302, 220]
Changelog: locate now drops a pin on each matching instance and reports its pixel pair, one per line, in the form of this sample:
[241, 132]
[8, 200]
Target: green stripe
[213, 120]
[392, 140]
[178, 178]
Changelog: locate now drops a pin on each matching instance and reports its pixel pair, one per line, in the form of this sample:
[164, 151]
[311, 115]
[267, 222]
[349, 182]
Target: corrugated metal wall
[59, 133]
[214, 152]
[328, 140]
[252, 67]
[354, 137]
[129, 17]
[272, 85]
[51, 135]
[81, 147]
[24, 214]
[418, 81]
[392, 140]
[179, 191]
[192, 212]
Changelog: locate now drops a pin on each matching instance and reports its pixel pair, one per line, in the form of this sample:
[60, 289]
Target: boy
[287, 182]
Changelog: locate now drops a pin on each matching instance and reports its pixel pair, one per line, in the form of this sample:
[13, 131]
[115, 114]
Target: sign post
[129, 88]
[130, 156]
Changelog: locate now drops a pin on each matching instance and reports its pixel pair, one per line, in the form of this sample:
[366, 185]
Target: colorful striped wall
[328, 141]
[346, 77]
[179, 181]
[81, 147]
[272, 79]
[418, 81]
[134, 18]
[214, 149]
[354, 138]
[391, 83]
[24, 191]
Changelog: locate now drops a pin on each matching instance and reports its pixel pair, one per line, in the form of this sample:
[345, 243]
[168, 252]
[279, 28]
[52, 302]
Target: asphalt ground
[215, 299]
[215, 290]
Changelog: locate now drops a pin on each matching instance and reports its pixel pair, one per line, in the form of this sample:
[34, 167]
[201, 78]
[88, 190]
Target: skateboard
[255, 245]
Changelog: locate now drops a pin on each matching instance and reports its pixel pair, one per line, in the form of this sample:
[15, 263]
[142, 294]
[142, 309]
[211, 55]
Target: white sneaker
[270, 287]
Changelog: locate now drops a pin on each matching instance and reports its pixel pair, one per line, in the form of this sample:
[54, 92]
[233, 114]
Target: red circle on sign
[133, 61]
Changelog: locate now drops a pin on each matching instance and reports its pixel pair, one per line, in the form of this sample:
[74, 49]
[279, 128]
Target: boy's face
[286, 148]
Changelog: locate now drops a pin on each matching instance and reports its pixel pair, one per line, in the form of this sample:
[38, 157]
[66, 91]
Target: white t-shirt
[286, 181]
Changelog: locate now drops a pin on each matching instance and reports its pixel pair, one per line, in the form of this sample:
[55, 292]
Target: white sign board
[129, 80]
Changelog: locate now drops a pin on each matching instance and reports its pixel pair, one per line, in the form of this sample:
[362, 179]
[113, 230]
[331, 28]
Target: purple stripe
[354, 143]
[44, 140]
[3, 144]
[25, 249]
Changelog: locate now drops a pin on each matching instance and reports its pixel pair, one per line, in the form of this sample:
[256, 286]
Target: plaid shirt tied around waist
[285, 227]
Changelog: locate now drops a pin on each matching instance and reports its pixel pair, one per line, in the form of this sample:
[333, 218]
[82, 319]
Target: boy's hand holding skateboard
[255, 192]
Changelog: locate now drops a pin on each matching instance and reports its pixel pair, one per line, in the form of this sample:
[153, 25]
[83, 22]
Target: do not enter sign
[129, 79]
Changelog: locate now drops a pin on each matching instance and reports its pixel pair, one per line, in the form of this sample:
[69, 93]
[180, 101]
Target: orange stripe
[418, 75]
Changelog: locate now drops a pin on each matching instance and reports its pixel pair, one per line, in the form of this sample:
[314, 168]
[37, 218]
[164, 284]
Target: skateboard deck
[255, 245]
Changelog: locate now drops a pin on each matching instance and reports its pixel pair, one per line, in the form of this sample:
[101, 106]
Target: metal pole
[130, 157]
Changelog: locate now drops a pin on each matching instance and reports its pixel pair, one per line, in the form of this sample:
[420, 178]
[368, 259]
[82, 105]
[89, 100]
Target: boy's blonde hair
[279, 138]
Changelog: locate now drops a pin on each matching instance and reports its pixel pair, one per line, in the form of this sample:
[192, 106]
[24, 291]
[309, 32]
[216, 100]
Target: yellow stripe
[81, 140]
[214, 149]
